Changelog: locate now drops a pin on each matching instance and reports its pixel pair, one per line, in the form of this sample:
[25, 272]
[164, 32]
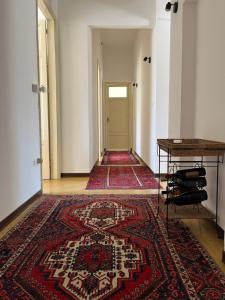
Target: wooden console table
[190, 153]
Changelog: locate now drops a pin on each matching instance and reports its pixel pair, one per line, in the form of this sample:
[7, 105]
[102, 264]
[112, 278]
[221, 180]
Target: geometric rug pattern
[104, 247]
[119, 158]
[121, 177]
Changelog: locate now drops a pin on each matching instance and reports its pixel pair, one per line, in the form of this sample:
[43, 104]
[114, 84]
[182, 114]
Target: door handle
[108, 119]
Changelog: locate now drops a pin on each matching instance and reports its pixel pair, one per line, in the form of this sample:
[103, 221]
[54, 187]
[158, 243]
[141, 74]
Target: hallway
[121, 170]
[80, 213]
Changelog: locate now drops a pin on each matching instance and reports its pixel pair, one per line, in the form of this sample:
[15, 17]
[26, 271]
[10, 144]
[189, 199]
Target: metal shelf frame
[173, 163]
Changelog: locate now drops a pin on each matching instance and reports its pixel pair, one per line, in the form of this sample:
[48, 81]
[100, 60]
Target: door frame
[131, 109]
[44, 98]
[100, 110]
[53, 91]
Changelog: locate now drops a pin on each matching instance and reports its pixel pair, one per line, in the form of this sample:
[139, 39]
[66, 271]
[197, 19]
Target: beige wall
[97, 58]
[118, 64]
[188, 70]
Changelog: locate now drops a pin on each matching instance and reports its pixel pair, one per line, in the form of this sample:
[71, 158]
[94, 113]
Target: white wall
[19, 123]
[142, 95]
[161, 73]
[182, 70]
[199, 48]
[210, 86]
[74, 19]
[176, 46]
[152, 95]
[162, 76]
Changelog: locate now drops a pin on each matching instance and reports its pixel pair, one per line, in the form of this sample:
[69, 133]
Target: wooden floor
[203, 230]
[77, 186]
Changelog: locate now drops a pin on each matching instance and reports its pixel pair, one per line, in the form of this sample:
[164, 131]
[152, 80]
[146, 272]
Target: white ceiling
[118, 38]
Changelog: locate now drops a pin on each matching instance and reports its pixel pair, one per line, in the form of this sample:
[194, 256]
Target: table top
[191, 147]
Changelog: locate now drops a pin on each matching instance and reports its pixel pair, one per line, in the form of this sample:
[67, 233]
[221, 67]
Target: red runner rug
[119, 158]
[127, 177]
[104, 247]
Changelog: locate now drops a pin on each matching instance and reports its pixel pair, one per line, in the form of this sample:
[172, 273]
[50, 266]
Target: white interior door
[19, 109]
[44, 101]
[117, 117]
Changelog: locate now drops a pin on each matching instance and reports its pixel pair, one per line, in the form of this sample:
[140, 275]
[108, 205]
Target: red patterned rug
[118, 177]
[104, 247]
[119, 158]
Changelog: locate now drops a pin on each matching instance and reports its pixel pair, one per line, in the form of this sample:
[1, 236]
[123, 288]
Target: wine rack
[184, 194]
[186, 187]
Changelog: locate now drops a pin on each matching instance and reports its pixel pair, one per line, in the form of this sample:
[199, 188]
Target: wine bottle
[187, 198]
[185, 174]
[178, 191]
[190, 173]
[198, 182]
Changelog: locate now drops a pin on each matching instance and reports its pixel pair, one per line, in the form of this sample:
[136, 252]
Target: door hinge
[39, 161]
[46, 27]
[39, 89]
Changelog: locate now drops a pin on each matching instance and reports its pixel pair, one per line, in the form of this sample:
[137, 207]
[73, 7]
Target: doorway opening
[118, 116]
[114, 65]
[49, 132]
